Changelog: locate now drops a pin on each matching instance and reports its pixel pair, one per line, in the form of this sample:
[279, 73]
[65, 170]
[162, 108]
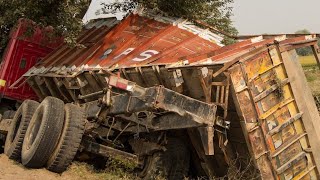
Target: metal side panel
[275, 126]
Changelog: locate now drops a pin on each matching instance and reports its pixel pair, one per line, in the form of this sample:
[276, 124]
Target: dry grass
[313, 77]
[240, 168]
[312, 73]
[86, 171]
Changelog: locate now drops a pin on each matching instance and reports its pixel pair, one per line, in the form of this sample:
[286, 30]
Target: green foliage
[63, 15]
[216, 13]
[306, 51]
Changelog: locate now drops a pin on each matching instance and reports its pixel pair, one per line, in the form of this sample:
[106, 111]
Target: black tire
[18, 128]
[9, 114]
[4, 108]
[70, 139]
[172, 164]
[43, 133]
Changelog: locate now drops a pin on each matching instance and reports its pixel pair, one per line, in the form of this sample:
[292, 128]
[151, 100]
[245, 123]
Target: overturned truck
[166, 96]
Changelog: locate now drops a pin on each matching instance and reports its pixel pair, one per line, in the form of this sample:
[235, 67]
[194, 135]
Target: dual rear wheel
[46, 134]
[49, 134]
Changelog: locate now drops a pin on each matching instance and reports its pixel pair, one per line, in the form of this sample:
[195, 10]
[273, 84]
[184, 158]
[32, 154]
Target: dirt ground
[312, 74]
[11, 170]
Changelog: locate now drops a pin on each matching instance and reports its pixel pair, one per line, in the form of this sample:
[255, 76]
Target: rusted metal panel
[144, 41]
[274, 125]
[89, 38]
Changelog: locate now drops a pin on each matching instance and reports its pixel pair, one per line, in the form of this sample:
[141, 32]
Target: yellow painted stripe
[2, 82]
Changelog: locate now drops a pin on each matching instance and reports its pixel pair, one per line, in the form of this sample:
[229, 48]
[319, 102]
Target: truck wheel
[43, 133]
[70, 139]
[8, 114]
[173, 164]
[18, 128]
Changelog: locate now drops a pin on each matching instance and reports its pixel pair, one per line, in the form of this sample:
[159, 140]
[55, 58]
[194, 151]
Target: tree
[65, 16]
[216, 13]
[306, 51]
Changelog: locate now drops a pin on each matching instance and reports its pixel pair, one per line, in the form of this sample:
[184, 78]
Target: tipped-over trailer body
[151, 76]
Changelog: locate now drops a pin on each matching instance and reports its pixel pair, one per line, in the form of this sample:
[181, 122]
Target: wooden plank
[285, 124]
[52, 88]
[304, 100]
[227, 95]
[315, 49]
[42, 86]
[252, 131]
[35, 88]
[219, 83]
[218, 94]
[63, 91]
[269, 91]
[288, 144]
[292, 161]
[297, 45]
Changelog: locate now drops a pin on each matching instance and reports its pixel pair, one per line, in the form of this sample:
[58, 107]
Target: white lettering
[146, 55]
[124, 53]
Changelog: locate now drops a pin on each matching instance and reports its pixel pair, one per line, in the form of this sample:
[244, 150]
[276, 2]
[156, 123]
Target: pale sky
[276, 16]
[260, 16]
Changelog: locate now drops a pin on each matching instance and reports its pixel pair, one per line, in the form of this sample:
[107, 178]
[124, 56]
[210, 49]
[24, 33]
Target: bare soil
[11, 170]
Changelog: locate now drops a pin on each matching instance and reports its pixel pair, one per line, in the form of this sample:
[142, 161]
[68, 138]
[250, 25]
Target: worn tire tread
[70, 139]
[13, 146]
[39, 155]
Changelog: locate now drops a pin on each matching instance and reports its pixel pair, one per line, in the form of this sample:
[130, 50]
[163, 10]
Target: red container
[23, 51]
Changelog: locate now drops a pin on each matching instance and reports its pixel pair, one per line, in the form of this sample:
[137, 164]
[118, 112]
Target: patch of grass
[313, 77]
[308, 60]
[86, 171]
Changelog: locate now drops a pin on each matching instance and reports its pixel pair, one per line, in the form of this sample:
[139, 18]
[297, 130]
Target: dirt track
[11, 170]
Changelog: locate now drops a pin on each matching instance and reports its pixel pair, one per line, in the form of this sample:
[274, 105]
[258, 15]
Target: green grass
[313, 77]
[308, 60]
[312, 72]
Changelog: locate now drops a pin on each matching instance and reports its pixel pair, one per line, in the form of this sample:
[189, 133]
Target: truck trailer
[166, 96]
